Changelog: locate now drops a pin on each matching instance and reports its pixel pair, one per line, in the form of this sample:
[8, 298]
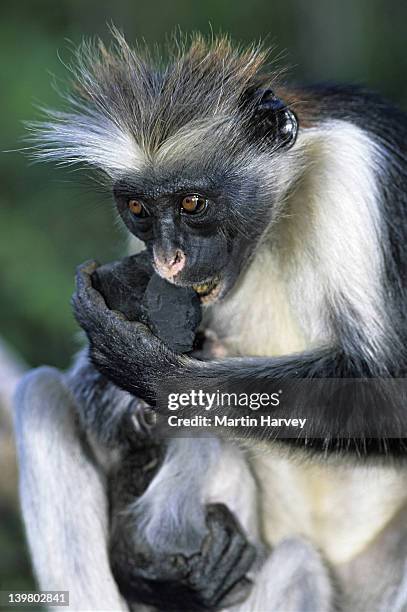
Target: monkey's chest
[340, 508]
[259, 318]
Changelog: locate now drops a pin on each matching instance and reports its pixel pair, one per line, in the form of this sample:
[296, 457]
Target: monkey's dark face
[202, 203]
[199, 231]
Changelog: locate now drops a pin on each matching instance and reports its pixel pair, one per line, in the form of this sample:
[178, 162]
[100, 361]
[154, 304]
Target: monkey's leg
[293, 579]
[181, 545]
[63, 496]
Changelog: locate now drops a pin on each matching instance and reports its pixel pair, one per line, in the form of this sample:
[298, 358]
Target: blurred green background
[52, 219]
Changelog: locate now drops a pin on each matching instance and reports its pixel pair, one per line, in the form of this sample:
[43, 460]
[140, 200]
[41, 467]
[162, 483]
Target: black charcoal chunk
[132, 287]
[173, 313]
[123, 283]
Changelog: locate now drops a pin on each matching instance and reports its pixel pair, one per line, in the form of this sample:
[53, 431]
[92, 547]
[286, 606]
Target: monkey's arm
[113, 417]
[137, 361]
[63, 495]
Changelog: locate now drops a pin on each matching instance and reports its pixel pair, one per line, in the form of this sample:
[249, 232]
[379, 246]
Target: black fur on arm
[346, 407]
[350, 398]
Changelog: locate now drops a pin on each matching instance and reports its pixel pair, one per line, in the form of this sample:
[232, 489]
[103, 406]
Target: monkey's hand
[126, 352]
[214, 578]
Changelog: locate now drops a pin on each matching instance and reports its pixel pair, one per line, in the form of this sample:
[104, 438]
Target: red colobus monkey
[296, 241]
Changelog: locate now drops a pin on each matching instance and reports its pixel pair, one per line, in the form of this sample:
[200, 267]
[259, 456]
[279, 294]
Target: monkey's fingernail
[178, 561]
[150, 465]
[150, 417]
[136, 422]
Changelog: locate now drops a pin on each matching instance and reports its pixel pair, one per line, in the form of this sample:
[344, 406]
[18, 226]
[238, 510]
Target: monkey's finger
[220, 522]
[89, 298]
[92, 299]
[231, 566]
[89, 310]
[85, 293]
[238, 562]
[135, 330]
[237, 594]
[86, 297]
[84, 274]
[88, 306]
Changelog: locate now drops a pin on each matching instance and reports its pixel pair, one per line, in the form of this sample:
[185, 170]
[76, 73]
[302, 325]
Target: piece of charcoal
[172, 313]
[132, 287]
[123, 283]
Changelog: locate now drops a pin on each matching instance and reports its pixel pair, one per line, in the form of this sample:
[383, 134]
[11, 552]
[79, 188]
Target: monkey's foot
[212, 579]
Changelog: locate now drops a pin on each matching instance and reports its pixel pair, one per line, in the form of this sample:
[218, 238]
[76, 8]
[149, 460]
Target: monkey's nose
[170, 265]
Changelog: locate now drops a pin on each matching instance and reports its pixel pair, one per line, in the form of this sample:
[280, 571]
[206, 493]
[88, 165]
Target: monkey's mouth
[209, 291]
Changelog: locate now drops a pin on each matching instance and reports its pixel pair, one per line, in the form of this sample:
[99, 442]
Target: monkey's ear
[270, 119]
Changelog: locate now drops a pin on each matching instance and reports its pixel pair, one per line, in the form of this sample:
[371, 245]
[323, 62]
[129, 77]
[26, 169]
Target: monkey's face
[199, 230]
[202, 200]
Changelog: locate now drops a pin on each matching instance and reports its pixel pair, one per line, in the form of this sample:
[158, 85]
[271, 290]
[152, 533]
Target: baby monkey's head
[197, 151]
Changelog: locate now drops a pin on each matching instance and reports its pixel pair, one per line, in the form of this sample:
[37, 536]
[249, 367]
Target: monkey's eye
[193, 204]
[137, 209]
